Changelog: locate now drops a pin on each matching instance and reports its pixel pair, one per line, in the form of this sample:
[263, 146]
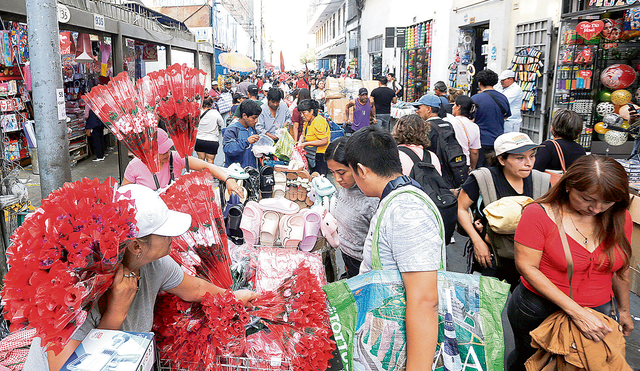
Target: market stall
[417, 61]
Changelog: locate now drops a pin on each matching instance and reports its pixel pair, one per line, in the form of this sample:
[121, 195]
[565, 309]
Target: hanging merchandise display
[596, 74]
[465, 57]
[527, 65]
[417, 60]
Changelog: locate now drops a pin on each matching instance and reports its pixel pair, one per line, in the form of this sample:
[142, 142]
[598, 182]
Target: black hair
[566, 124]
[374, 148]
[275, 94]
[440, 86]
[207, 103]
[336, 151]
[391, 74]
[295, 93]
[487, 77]
[303, 94]
[383, 80]
[250, 108]
[310, 105]
[467, 106]
[236, 98]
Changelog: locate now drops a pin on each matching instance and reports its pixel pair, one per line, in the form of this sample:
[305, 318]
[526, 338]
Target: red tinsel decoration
[64, 258]
[203, 249]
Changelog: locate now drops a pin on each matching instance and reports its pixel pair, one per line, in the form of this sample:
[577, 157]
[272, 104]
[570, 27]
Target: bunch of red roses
[64, 257]
[193, 336]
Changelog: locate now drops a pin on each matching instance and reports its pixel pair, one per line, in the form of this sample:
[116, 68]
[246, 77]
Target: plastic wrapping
[274, 266]
[64, 258]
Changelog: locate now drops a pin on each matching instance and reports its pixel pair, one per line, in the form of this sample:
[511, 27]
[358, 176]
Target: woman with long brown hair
[591, 202]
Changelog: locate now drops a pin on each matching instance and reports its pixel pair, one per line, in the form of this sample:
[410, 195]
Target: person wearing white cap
[510, 173]
[171, 165]
[514, 94]
[146, 269]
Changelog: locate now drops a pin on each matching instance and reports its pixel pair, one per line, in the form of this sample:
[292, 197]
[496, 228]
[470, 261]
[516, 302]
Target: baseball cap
[164, 142]
[514, 142]
[429, 100]
[252, 89]
[363, 91]
[506, 74]
[152, 214]
[214, 82]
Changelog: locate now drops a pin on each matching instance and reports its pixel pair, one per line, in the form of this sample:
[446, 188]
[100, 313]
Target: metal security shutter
[537, 34]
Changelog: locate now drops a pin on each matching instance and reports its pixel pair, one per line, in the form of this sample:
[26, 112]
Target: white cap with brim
[152, 214]
[506, 74]
[514, 142]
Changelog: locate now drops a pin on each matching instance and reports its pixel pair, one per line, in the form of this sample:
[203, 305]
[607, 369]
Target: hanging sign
[98, 21]
[589, 30]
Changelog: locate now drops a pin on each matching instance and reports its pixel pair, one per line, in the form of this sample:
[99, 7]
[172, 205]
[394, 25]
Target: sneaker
[98, 159]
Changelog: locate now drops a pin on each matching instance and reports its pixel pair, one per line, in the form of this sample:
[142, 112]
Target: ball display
[613, 119]
[600, 128]
[620, 97]
[615, 138]
[618, 76]
[605, 96]
[605, 108]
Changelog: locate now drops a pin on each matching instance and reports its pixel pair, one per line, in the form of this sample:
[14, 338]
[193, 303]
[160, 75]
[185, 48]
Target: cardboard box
[634, 272]
[336, 110]
[113, 350]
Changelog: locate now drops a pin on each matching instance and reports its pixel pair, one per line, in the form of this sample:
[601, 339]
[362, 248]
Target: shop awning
[339, 49]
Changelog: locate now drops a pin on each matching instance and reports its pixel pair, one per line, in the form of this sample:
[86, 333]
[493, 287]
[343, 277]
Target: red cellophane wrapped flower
[202, 250]
[129, 116]
[64, 257]
[296, 313]
[180, 90]
[193, 336]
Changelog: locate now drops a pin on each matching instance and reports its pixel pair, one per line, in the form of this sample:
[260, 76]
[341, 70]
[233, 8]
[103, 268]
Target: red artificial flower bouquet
[64, 257]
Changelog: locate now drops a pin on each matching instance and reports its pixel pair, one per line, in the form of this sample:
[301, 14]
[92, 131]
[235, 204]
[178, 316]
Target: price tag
[62, 113]
[64, 15]
[98, 22]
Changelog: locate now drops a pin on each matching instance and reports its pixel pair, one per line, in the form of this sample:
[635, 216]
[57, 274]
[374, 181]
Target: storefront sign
[98, 22]
[64, 15]
[401, 34]
[596, 3]
[589, 30]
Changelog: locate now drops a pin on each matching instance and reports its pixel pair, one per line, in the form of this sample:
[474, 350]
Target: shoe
[98, 159]
[250, 224]
[311, 228]
[236, 171]
[267, 181]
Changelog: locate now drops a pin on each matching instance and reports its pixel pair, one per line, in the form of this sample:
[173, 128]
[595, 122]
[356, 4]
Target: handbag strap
[465, 132]
[376, 262]
[502, 109]
[567, 251]
[560, 155]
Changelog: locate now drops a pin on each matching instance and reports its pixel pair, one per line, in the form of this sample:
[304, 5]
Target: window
[374, 44]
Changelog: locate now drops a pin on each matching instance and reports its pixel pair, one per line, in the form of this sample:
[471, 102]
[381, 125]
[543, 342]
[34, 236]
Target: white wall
[378, 14]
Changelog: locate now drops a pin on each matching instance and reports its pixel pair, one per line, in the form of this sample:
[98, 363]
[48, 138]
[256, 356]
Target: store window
[417, 60]
[596, 76]
[375, 54]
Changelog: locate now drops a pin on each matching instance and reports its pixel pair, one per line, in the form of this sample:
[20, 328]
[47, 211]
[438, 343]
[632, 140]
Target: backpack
[503, 244]
[436, 188]
[453, 160]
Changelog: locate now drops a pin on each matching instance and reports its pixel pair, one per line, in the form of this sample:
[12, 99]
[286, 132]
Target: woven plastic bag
[367, 315]
[284, 146]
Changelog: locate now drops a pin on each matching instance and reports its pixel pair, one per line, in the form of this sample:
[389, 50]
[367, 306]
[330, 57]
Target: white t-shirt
[209, 126]
[467, 134]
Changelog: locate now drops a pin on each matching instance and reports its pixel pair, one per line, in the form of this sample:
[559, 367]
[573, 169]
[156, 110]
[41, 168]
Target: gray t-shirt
[409, 239]
[353, 213]
[160, 275]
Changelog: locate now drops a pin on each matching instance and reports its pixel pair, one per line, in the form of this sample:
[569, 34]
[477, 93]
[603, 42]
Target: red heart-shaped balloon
[589, 30]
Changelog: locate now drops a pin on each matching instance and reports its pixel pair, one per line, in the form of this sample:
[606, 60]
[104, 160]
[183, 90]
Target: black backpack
[436, 188]
[453, 160]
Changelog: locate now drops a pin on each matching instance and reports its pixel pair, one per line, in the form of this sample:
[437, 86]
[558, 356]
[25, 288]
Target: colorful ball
[613, 119]
[605, 108]
[620, 97]
[600, 128]
[618, 76]
[625, 125]
[605, 96]
[616, 138]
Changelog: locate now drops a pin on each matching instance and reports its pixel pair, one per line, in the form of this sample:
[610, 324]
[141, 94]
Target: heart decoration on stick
[585, 73]
[589, 30]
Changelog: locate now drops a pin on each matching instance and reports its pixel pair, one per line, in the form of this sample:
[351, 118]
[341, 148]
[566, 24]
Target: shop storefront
[596, 72]
[417, 60]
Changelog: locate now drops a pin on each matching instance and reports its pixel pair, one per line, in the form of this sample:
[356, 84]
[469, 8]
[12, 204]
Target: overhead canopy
[339, 49]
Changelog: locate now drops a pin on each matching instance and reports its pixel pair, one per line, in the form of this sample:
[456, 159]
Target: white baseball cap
[152, 214]
[506, 74]
[514, 142]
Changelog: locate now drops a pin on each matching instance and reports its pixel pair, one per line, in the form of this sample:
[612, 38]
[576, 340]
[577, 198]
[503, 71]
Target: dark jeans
[321, 165]
[507, 271]
[526, 312]
[352, 265]
[97, 141]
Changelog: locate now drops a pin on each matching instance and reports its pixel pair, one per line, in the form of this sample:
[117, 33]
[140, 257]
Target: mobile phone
[632, 109]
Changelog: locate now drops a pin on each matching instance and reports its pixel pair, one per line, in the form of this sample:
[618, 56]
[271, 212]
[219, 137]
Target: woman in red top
[592, 199]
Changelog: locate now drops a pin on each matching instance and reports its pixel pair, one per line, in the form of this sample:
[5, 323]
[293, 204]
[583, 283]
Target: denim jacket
[236, 145]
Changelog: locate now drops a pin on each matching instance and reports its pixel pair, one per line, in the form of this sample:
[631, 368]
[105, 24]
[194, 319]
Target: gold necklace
[586, 239]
